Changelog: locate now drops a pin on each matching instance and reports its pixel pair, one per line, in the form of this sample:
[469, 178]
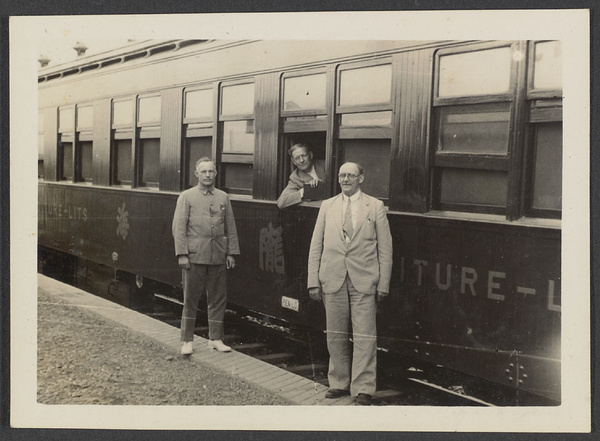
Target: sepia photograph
[348, 228]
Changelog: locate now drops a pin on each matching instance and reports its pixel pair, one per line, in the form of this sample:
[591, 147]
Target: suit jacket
[204, 227]
[290, 194]
[367, 258]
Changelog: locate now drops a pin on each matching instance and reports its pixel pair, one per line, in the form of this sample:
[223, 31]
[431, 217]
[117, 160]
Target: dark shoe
[336, 393]
[363, 400]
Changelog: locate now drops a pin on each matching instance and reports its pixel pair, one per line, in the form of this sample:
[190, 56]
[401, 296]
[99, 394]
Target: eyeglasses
[350, 176]
[299, 157]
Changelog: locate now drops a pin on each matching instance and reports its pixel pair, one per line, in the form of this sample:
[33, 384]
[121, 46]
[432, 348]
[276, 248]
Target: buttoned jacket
[366, 258]
[204, 227]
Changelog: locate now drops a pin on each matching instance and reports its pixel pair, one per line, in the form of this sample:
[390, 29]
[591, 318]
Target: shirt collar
[353, 198]
[206, 191]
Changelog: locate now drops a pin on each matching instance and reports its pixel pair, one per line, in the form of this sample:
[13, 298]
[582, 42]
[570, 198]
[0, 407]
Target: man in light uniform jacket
[205, 242]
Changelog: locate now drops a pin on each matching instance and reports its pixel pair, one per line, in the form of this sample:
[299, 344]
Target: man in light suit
[307, 176]
[349, 269]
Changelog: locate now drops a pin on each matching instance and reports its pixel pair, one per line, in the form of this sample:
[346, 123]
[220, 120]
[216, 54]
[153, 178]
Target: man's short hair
[205, 159]
[295, 147]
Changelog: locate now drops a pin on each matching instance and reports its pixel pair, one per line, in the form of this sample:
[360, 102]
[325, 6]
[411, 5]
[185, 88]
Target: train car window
[149, 110]
[149, 161]
[198, 117]
[84, 143]
[65, 153]
[66, 120]
[366, 86]
[122, 114]
[195, 148]
[547, 68]
[236, 140]
[238, 136]
[122, 161]
[364, 119]
[547, 175]
[41, 135]
[473, 116]
[485, 72]
[482, 129]
[85, 118]
[198, 105]
[307, 92]
[543, 169]
[237, 100]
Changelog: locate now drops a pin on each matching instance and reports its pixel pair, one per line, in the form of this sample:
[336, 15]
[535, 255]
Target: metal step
[247, 346]
[307, 368]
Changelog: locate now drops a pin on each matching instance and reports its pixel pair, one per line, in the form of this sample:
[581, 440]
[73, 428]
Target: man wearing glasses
[306, 182]
[349, 269]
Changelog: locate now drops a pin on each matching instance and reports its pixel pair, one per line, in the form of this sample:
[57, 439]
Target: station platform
[296, 389]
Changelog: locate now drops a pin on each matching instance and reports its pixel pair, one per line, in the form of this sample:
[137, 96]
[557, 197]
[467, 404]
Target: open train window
[475, 87]
[66, 136]
[365, 100]
[236, 137]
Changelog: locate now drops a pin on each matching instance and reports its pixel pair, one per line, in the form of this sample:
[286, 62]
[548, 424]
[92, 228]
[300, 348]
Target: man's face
[206, 173]
[302, 159]
[349, 179]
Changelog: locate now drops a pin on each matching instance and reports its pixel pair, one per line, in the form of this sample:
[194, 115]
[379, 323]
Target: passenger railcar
[461, 139]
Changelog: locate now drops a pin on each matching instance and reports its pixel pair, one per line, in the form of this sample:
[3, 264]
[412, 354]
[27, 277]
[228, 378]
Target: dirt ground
[85, 359]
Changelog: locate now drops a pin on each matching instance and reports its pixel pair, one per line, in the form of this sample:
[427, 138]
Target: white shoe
[218, 345]
[187, 348]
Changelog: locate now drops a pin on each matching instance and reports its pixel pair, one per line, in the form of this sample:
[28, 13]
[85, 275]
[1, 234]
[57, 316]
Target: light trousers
[349, 313]
[200, 279]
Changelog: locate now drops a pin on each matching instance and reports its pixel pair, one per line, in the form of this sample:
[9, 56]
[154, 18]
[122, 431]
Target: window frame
[224, 158]
[441, 160]
[532, 92]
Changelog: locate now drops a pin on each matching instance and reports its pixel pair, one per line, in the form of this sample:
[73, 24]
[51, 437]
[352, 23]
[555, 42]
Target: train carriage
[462, 140]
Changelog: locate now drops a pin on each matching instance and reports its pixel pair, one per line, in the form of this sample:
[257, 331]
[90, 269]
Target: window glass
[367, 85]
[149, 109]
[475, 129]
[547, 188]
[199, 104]
[85, 117]
[196, 148]
[238, 136]
[67, 160]
[306, 92]
[479, 187]
[367, 119]
[86, 160]
[548, 65]
[123, 164]
[123, 112]
[40, 145]
[149, 151]
[475, 73]
[238, 176]
[374, 156]
[238, 100]
[65, 120]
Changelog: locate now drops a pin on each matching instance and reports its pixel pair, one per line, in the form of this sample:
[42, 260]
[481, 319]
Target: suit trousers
[200, 279]
[349, 313]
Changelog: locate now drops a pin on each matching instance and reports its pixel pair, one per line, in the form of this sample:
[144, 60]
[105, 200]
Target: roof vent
[80, 48]
[43, 60]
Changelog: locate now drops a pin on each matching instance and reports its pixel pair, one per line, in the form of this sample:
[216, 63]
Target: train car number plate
[290, 303]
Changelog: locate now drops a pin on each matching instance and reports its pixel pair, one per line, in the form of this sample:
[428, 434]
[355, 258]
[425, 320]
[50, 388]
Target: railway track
[400, 383]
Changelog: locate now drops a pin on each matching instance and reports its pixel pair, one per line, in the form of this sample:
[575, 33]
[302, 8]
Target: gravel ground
[84, 359]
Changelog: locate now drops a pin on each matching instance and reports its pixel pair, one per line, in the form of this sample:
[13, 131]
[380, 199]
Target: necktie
[348, 229]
